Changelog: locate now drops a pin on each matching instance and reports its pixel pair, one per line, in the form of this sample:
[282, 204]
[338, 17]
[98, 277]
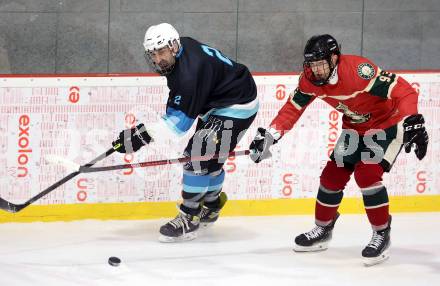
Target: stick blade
[58, 160]
[9, 207]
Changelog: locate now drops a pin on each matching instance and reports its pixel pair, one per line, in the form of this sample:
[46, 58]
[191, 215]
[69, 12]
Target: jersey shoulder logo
[365, 71]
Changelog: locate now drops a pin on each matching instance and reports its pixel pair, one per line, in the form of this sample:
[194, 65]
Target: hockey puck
[114, 261]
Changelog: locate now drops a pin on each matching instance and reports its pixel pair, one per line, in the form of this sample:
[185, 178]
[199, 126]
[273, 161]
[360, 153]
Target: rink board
[154, 210]
[76, 118]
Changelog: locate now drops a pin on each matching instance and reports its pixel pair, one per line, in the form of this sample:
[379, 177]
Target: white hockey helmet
[156, 38]
[159, 36]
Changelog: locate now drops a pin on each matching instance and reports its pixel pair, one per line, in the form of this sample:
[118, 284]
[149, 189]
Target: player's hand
[131, 140]
[415, 135]
[260, 145]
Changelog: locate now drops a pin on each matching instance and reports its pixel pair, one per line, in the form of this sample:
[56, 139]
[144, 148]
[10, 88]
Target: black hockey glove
[131, 140]
[415, 134]
[260, 145]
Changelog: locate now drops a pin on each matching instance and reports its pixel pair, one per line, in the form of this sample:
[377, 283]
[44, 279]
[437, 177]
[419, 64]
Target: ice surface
[236, 251]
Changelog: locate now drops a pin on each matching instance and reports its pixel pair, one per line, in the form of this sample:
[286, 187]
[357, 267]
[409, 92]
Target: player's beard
[164, 65]
[167, 64]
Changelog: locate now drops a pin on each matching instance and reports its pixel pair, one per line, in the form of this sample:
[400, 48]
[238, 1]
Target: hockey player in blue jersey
[221, 95]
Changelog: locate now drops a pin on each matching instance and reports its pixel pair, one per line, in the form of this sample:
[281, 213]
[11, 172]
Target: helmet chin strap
[333, 79]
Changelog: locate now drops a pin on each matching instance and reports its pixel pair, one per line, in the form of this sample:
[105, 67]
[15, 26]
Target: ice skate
[377, 250]
[182, 228]
[208, 216]
[315, 240]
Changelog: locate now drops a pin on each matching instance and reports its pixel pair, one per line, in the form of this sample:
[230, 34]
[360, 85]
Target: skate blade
[314, 248]
[182, 238]
[370, 261]
[206, 225]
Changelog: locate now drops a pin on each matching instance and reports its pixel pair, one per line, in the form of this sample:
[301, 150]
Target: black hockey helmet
[319, 47]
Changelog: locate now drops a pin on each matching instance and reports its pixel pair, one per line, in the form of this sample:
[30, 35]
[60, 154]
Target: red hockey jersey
[369, 97]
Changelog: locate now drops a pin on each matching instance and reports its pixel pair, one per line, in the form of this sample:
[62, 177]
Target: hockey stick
[13, 208]
[88, 169]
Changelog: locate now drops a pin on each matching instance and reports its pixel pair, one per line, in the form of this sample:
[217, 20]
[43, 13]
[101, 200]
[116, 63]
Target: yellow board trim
[154, 210]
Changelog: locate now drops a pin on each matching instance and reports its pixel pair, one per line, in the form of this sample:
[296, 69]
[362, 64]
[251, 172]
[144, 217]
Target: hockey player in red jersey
[379, 118]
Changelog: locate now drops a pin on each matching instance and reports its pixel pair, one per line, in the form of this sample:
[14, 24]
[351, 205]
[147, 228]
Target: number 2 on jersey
[211, 51]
